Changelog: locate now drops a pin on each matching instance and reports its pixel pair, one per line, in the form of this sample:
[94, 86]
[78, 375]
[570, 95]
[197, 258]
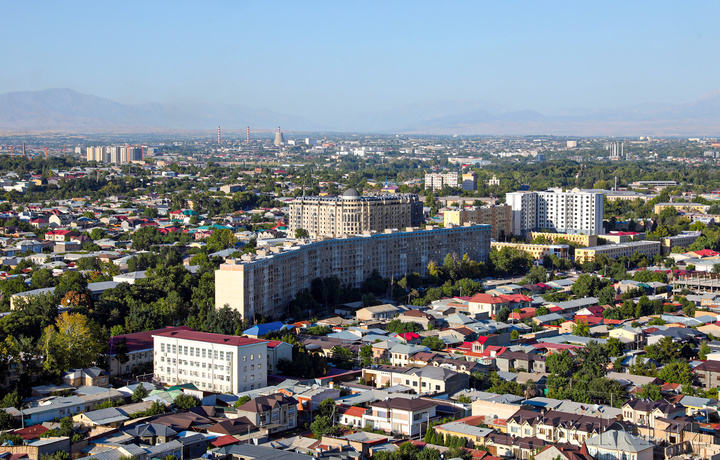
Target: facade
[274, 413]
[583, 240]
[619, 445]
[498, 217]
[351, 214]
[491, 304]
[469, 181]
[571, 212]
[213, 362]
[436, 181]
[408, 417]
[423, 380]
[613, 251]
[682, 207]
[138, 349]
[114, 154]
[264, 283]
[537, 251]
[684, 240]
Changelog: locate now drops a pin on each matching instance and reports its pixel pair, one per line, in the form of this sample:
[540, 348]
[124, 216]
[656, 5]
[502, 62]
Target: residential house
[631, 337]
[619, 445]
[400, 354]
[514, 361]
[377, 312]
[90, 376]
[491, 304]
[274, 413]
[422, 380]
[643, 412]
[407, 417]
[416, 316]
[708, 373]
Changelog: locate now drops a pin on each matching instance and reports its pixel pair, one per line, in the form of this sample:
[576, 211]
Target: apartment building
[498, 217]
[571, 212]
[613, 251]
[264, 283]
[436, 181]
[469, 181]
[582, 240]
[683, 240]
[114, 154]
[682, 207]
[213, 362]
[133, 350]
[537, 251]
[351, 214]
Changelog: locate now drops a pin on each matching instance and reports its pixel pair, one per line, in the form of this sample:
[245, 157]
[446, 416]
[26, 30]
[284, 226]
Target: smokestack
[247, 140]
[218, 134]
[23, 148]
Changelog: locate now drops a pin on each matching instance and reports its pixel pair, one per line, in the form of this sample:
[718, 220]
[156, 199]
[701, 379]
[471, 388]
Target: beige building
[538, 251]
[264, 283]
[683, 240]
[583, 240]
[469, 181]
[498, 217]
[682, 207]
[436, 181]
[613, 251]
[213, 362]
[351, 214]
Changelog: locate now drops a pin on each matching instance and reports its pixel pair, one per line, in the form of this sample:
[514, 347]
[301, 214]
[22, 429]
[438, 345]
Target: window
[222, 356]
[162, 347]
[174, 348]
[185, 351]
[203, 353]
[215, 354]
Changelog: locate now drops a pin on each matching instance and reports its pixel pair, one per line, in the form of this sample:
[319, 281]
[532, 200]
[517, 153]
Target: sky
[344, 58]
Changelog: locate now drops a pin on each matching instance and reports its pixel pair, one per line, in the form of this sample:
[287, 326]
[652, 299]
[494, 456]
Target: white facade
[213, 362]
[573, 212]
[436, 181]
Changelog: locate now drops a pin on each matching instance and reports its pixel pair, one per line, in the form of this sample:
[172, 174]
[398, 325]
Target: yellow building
[583, 240]
[538, 251]
[613, 251]
[498, 217]
[683, 240]
[682, 207]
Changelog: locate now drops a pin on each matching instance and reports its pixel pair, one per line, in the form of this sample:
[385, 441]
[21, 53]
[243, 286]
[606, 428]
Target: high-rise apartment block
[264, 283]
[556, 211]
[114, 154]
[469, 181]
[351, 214]
[213, 362]
[498, 217]
[436, 181]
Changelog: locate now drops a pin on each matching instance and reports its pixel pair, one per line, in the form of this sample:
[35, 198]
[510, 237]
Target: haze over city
[376, 65]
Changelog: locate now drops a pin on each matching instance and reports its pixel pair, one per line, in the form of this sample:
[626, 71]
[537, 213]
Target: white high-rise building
[436, 181]
[574, 212]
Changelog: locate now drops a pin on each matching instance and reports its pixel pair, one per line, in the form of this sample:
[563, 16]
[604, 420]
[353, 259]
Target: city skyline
[340, 62]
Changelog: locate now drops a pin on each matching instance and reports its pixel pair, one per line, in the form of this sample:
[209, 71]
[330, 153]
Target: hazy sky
[337, 57]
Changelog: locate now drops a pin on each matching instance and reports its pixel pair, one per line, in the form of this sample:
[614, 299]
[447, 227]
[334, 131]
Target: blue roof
[262, 329]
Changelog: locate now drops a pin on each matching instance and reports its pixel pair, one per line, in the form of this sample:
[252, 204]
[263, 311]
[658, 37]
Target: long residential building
[498, 217]
[613, 251]
[537, 251]
[436, 181]
[352, 213]
[264, 283]
[213, 362]
[554, 210]
[114, 154]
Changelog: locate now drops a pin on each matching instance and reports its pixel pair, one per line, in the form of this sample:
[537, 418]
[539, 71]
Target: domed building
[352, 213]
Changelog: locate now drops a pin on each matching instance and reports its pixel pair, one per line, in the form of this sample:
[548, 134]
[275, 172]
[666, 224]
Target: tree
[433, 343]
[514, 335]
[650, 391]
[366, 353]
[502, 314]
[74, 341]
[614, 346]
[327, 408]
[585, 285]
[185, 402]
[301, 233]
[704, 350]
[139, 394]
[676, 372]
[581, 328]
[7, 421]
[322, 426]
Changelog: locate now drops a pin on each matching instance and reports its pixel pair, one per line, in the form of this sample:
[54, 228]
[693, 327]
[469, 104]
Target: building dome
[351, 193]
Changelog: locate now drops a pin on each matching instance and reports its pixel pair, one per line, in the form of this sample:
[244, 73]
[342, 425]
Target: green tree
[74, 341]
[139, 394]
[241, 400]
[650, 391]
[322, 426]
[433, 343]
[327, 408]
[676, 372]
[301, 233]
[185, 402]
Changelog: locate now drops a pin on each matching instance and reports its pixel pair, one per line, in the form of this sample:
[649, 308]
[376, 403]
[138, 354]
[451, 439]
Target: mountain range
[65, 110]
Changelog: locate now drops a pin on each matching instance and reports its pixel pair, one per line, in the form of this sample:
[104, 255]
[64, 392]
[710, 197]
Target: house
[137, 349]
[273, 413]
[619, 445]
[466, 428]
[643, 412]
[491, 304]
[422, 380]
[377, 312]
[351, 416]
[400, 354]
[91, 376]
[631, 337]
[416, 316]
[514, 361]
[708, 373]
[407, 417]
[151, 433]
[259, 330]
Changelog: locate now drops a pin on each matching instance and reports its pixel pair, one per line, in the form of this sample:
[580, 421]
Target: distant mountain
[68, 110]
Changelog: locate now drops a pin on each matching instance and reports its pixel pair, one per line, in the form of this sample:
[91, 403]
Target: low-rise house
[619, 445]
[643, 412]
[422, 380]
[407, 417]
[631, 337]
[273, 413]
[416, 316]
[401, 353]
[90, 376]
[514, 361]
[708, 373]
[377, 312]
[491, 304]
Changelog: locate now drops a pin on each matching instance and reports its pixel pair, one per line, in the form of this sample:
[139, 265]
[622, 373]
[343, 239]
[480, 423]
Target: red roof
[31, 432]
[226, 440]
[207, 337]
[706, 253]
[352, 411]
[487, 298]
[408, 336]
[141, 340]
